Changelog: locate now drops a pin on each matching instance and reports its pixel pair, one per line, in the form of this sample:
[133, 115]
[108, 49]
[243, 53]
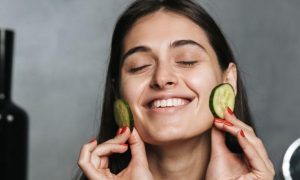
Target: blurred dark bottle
[13, 120]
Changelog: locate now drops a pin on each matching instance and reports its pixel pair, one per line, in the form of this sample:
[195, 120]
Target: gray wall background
[61, 56]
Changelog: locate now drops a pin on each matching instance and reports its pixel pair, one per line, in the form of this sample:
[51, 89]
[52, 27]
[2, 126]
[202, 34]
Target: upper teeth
[167, 102]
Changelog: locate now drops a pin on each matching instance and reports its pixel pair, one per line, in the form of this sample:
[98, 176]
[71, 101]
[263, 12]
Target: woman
[166, 57]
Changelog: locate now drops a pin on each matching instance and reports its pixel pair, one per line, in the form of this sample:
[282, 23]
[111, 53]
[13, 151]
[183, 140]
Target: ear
[230, 76]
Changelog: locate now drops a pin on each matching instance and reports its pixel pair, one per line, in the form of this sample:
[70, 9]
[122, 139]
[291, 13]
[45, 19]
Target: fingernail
[242, 133]
[123, 130]
[92, 140]
[123, 144]
[227, 123]
[230, 111]
[217, 120]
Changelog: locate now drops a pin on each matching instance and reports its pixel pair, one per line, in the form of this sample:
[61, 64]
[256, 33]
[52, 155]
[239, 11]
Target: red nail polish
[242, 133]
[227, 123]
[123, 130]
[229, 111]
[217, 120]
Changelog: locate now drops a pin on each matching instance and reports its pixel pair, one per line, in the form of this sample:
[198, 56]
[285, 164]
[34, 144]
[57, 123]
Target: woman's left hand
[254, 163]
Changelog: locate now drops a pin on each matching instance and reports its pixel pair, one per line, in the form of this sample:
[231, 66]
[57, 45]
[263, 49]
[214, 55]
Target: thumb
[218, 146]
[137, 148]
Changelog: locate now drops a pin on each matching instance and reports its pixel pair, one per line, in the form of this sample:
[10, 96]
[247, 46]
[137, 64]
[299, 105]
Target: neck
[187, 159]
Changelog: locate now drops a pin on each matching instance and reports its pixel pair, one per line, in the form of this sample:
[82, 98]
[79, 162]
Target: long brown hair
[135, 11]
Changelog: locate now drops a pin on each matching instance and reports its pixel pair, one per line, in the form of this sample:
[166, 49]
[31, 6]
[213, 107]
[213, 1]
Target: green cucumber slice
[122, 114]
[221, 97]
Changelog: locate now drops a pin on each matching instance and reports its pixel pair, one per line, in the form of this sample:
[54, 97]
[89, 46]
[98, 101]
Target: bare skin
[175, 61]
[164, 163]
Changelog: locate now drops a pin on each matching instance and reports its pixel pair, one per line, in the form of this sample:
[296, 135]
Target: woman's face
[168, 73]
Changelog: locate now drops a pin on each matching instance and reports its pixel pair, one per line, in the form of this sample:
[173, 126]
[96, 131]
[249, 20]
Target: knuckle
[251, 130]
[272, 170]
[110, 141]
[80, 163]
[85, 147]
[259, 142]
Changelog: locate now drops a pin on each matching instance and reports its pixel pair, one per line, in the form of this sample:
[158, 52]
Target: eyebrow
[135, 50]
[174, 44]
[184, 42]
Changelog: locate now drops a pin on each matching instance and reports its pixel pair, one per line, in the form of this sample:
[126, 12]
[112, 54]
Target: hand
[93, 159]
[254, 163]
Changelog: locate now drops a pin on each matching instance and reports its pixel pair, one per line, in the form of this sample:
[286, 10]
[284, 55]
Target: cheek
[132, 89]
[202, 80]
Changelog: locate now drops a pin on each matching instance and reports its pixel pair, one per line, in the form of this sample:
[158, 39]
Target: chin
[166, 136]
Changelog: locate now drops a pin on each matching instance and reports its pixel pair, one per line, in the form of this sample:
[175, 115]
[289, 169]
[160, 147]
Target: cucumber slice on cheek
[122, 114]
[221, 97]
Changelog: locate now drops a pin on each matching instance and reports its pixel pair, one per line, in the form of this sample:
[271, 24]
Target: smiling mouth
[167, 103]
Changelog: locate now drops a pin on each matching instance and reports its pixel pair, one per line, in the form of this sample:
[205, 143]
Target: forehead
[164, 27]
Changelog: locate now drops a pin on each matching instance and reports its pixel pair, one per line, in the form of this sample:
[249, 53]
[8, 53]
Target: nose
[164, 78]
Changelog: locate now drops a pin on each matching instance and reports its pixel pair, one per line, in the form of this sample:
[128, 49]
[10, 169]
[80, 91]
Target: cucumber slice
[123, 115]
[221, 97]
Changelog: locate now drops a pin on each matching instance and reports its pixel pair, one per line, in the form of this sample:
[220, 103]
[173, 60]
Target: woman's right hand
[93, 159]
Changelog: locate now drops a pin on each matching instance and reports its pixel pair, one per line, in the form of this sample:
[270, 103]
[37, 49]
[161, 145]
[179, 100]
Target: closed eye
[187, 63]
[136, 69]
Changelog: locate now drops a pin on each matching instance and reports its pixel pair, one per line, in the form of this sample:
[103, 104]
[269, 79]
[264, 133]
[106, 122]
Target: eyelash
[187, 63]
[133, 70]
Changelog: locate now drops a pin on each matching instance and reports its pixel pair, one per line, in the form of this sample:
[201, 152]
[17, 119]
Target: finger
[99, 157]
[230, 116]
[85, 153]
[254, 159]
[116, 145]
[121, 137]
[260, 148]
[137, 148]
[250, 152]
[218, 145]
[251, 136]
[84, 160]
